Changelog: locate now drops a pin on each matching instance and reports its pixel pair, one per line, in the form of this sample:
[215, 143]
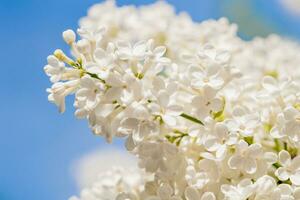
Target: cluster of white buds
[208, 115]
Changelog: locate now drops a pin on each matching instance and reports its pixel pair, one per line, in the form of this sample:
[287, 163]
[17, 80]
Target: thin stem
[277, 146]
[193, 119]
[95, 76]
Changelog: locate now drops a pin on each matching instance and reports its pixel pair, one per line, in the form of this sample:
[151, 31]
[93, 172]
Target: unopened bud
[60, 55]
[69, 36]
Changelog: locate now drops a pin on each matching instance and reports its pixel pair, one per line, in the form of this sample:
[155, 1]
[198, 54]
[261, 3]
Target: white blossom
[246, 157]
[290, 168]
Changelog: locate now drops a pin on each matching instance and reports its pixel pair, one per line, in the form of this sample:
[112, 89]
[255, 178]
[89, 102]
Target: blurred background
[38, 146]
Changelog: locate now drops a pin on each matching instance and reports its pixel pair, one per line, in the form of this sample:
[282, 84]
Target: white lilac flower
[90, 92]
[164, 105]
[91, 35]
[241, 191]
[266, 188]
[210, 76]
[246, 157]
[218, 139]
[201, 174]
[164, 192]
[156, 53]
[137, 130]
[288, 125]
[206, 103]
[243, 122]
[105, 59]
[193, 194]
[55, 69]
[110, 183]
[290, 168]
[60, 90]
[132, 53]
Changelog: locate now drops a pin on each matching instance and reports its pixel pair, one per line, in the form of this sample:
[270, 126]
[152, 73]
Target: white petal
[285, 189]
[245, 183]
[235, 162]
[269, 83]
[172, 87]
[211, 144]
[52, 61]
[221, 152]
[290, 113]
[295, 178]
[87, 82]
[209, 92]
[169, 120]
[113, 93]
[295, 165]
[221, 130]
[188, 58]
[208, 196]
[276, 133]
[165, 191]
[223, 56]
[238, 111]
[216, 82]
[216, 105]
[174, 110]
[124, 54]
[282, 174]
[255, 150]
[250, 165]
[226, 189]
[170, 149]
[99, 54]
[123, 44]
[139, 50]
[191, 194]
[163, 98]
[104, 110]
[153, 198]
[284, 158]
[130, 123]
[154, 108]
[199, 101]
[158, 83]
[271, 157]
[114, 80]
[212, 70]
[241, 146]
[297, 193]
[159, 51]
[176, 198]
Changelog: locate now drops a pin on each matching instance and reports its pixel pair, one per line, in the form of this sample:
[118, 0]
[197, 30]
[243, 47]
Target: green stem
[285, 146]
[277, 146]
[249, 140]
[78, 65]
[193, 119]
[276, 165]
[95, 76]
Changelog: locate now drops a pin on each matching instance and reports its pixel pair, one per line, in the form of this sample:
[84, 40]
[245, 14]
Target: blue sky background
[37, 144]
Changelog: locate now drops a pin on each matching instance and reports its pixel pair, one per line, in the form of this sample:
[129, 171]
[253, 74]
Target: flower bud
[60, 55]
[69, 36]
[83, 46]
